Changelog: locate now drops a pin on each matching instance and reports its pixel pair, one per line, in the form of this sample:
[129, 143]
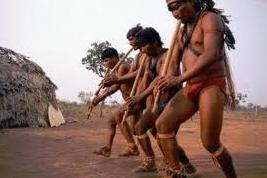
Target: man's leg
[182, 155]
[131, 149]
[132, 120]
[144, 123]
[106, 150]
[188, 167]
[178, 110]
[211, 105]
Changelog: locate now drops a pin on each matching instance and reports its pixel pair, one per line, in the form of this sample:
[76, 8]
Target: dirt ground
[67, 151]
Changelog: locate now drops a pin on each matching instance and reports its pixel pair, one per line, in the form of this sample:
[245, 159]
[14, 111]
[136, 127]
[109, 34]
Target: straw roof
[25, 92]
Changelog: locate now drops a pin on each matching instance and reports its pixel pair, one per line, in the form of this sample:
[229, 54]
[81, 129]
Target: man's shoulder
[123, 68]
[209, 19]
[138, 55]
[210, 14]
[164, 52]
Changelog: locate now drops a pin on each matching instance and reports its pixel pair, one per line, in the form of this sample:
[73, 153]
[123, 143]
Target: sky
[57, 33]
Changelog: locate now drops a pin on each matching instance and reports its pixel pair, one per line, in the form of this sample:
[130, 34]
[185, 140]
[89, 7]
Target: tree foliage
[92, 61]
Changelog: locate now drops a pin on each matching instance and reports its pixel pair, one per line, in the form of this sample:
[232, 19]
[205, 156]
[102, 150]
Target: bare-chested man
[127, 78]
[150, 42]
[200, 48]
[110, 58]
[130, 76]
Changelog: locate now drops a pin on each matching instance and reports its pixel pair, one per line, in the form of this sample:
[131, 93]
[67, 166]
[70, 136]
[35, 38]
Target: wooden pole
[167, 61]
[135, 84]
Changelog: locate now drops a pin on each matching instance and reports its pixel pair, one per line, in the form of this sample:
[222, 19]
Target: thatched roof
[25, 92]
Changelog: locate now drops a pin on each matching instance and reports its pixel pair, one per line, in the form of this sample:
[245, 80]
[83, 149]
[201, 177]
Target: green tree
[92, 60]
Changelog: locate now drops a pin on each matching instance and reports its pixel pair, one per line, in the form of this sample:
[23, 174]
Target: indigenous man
[131, 36]
[110, 58]
[118, 80]
[130, 76]
[200, 48]
[150, 42]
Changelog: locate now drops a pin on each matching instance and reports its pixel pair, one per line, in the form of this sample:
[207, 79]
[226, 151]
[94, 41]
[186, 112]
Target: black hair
[109, 53]
[148, 35]
[133, 31]
[207, 4]
[203, 5]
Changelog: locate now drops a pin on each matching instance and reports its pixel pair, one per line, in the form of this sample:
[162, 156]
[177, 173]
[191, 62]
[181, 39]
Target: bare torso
[126, 87]
[148, 78]
[189, 58]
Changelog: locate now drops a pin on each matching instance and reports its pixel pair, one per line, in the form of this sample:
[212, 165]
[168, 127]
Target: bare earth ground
[67, 151]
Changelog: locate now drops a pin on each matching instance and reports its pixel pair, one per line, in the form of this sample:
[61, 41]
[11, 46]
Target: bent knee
[139, 129]
[211, 145]
[163, 127]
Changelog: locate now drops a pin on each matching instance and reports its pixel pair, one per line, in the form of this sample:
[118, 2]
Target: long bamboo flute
[135, 84]
[167, 61]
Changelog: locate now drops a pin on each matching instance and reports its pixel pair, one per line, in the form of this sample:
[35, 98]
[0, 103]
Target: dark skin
[130, 76]
[124, 79]
[144, 91]
[207, 38]
[125, 89]
[116, 116]
[173, 70]
[147, 120]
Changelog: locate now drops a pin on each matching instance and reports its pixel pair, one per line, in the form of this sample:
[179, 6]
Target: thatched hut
[26, 93]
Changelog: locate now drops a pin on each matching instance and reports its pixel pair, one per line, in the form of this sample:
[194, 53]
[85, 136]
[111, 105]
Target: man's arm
[122, 70]
[149, 89]
[127, 77]
[176, 58]
[132, 101]
[107, 92]
[132, 72]
[212, 27]
[130, 76]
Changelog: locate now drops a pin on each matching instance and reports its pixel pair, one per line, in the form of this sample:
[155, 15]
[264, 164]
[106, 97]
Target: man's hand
[132, 101]
[110, 80]
[167, 82]
[95, 101]
[131, 105]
